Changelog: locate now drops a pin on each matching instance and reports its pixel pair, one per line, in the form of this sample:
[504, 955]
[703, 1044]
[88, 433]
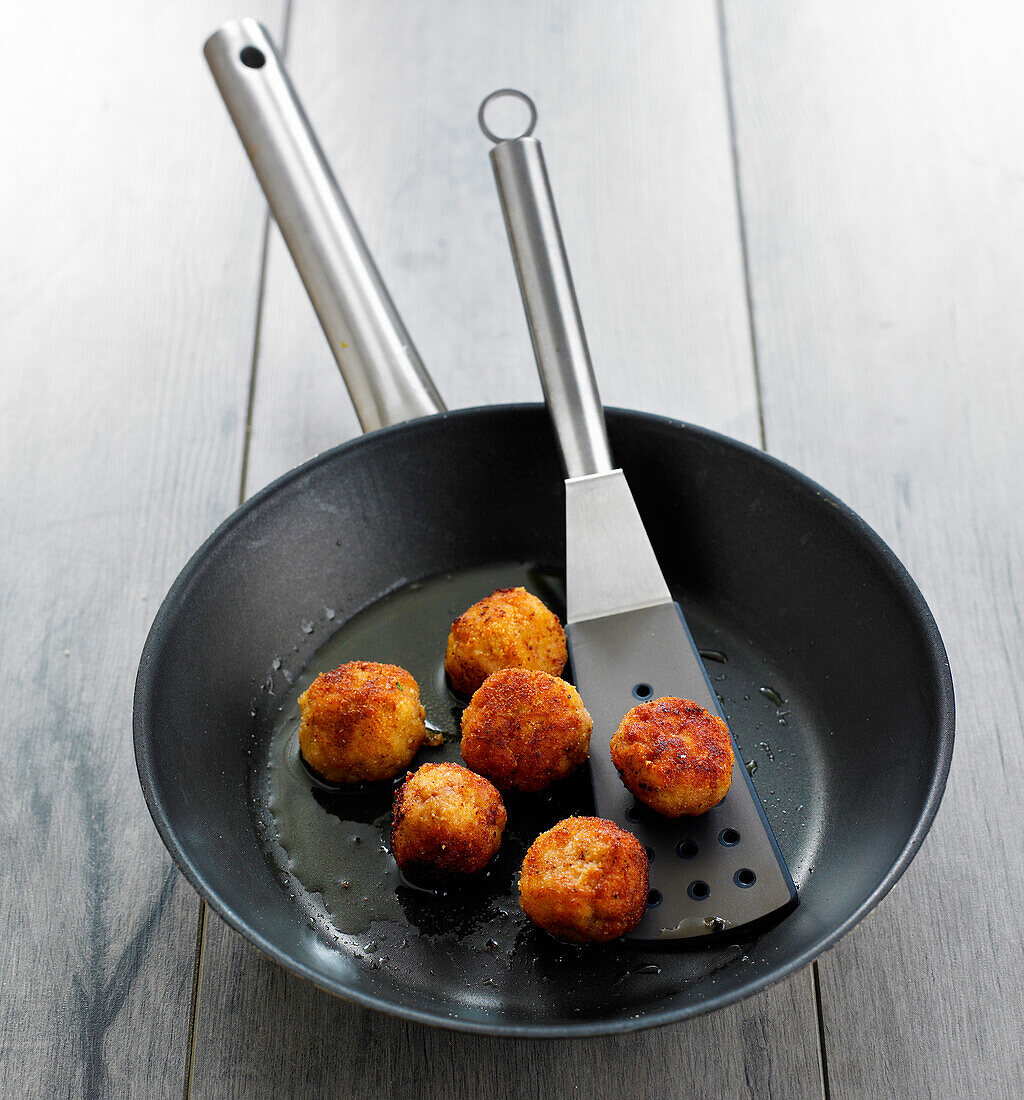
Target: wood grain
[264, 1032]
[128, 264]
[881, 173]
[668, 330]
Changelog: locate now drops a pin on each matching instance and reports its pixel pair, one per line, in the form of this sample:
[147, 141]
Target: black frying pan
[851, 739]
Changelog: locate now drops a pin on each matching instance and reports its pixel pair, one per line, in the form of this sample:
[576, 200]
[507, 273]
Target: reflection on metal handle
[382, 369]
[552, 312]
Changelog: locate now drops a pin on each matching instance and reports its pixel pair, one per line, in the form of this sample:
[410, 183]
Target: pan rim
[869, 539]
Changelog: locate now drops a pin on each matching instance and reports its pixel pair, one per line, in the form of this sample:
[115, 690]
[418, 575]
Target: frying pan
[829, 663]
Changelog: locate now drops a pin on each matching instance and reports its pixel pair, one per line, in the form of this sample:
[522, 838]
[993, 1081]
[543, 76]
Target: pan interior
[328, 844]
[798, 594]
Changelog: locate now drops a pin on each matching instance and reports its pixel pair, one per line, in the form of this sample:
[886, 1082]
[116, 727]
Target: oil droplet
[651, 968]
[772, 694]
[329, 613]
[275, 664]
[751, 766]
[713, 655]
[767, 750]
[307, 626]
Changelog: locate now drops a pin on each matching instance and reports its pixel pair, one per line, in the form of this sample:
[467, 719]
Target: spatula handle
[382, 369]
[552, 312]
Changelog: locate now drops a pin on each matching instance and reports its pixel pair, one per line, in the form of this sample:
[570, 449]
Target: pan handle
[552, 312]
[385, 376]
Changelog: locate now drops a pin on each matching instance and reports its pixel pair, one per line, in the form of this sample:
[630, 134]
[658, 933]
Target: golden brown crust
[674, 756]
[525, 729]
[585, 880]
[361, 722]
[446, 820]
[508, 629]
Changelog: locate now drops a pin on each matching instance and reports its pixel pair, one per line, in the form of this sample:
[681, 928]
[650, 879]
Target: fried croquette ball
[508, 629]
[524, 729]
[585, 880]
[361, 722]
[446, 820]
[674, 756]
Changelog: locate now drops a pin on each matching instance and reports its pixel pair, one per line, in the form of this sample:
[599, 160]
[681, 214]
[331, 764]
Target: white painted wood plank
[881, 169]
[634, 126]
[128, 267]
[263, 1032]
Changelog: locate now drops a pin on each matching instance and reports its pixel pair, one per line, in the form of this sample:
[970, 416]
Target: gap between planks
[197, 979]
[190, 1050]
[723, 44]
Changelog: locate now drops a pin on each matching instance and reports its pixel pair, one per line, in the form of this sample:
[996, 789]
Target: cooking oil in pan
[330, 843]
[334, 839]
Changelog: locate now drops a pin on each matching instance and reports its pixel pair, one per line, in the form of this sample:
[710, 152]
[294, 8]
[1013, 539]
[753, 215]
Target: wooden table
[800, 224]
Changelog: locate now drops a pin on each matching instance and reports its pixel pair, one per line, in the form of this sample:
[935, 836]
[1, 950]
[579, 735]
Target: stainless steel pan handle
[556, 329]
[382, 369]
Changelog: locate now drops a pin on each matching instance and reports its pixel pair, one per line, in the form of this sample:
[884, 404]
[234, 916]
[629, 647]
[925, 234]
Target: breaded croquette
[585, 880]
[508, 629]
[675, 756]
[525, 729]
[361, 722]
[446, 820]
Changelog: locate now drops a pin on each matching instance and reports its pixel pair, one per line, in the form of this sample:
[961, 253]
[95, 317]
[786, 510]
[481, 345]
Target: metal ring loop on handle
[515, 94]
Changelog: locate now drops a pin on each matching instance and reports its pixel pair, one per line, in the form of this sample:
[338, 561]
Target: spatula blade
[629, 642]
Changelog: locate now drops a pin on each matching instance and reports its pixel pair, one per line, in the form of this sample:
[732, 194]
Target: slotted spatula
[628, 640]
